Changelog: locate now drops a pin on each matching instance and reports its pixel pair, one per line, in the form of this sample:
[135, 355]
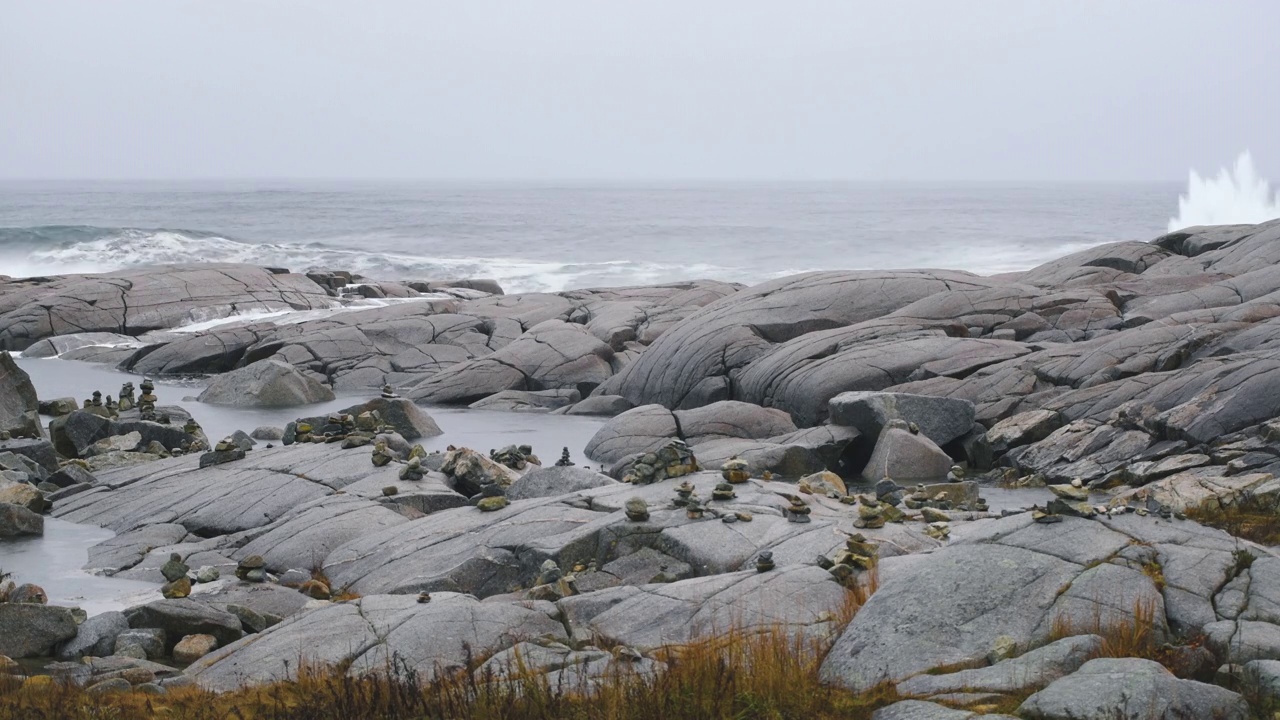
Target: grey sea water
[545, 237]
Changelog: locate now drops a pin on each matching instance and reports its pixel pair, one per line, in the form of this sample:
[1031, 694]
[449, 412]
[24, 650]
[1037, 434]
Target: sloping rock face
[1014, 584]
[404, 344]
[131, 302]
[692, 363]
[18, 403]
[266, 383]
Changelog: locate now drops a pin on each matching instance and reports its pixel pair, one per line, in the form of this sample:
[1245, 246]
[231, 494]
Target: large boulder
[732, 419]
[409, 420]
[30, 630]
[639, 430]
[556, 480]
[906, 458]
[266, 383]
[1107, 688]
[95, 637]
[940, 419]
[18, 403]
[181, 617]
[17, 520]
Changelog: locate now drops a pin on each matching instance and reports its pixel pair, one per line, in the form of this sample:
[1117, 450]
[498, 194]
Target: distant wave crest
[1234, 196]
[62, 249]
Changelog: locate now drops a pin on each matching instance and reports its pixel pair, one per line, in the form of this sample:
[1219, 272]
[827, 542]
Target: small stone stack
[858, 555]
[564, 460]
[126, 397]
[735, 471]
[517, 457]
[252, 569]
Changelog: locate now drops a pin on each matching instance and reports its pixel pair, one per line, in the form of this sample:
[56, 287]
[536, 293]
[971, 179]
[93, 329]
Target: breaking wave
[62, 249]
[1234, 196]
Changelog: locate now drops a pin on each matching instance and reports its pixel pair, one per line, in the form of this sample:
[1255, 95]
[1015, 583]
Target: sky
[929, 90]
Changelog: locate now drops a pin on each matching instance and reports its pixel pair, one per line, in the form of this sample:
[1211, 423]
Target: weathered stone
[29, 630]
[1133, 688]
[551, 481]
[906, 458]
[193, 647]
[939, 419]
[182, 617]
[18, 403]
[266, 383]
[94, 637]
[17, 520]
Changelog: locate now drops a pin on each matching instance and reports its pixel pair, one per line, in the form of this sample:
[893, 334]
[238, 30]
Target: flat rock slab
[438, 636]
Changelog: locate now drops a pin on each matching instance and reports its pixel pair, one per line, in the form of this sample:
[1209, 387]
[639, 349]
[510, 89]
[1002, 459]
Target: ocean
[547, 237]
[552, 237]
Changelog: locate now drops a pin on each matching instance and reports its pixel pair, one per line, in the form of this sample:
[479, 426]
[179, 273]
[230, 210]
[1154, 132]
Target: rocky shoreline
[765, 451]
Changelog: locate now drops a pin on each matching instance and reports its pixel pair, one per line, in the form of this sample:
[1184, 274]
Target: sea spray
[1235, 196]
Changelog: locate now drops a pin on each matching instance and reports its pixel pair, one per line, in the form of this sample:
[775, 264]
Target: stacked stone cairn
[858, 555]
[177, 583]
[516, 457]
[126, 397]
[564, 460]
[673, 460]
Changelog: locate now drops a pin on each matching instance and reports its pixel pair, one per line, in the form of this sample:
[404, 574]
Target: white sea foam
[133, 247]
[1234, 196]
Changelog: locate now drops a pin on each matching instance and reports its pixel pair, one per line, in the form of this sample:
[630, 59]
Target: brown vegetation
[771, 673]
[1252, 517]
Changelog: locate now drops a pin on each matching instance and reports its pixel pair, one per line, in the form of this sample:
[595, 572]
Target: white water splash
[1235, 196]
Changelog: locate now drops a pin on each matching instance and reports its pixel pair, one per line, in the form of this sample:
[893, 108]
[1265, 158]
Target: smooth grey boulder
[16, 520]
[639, 430]
[72, 435]
[408, 420]
[28, 630]
[95, 637]
[181, 617]
[732, 419]
[367, 634]
[940, 419]
[528, 400]
[606, 405]
[218, 351]
[907, 459]
[18, 403]
[267, 432]
[1108, 688]
[266, 383]
[58, 406]
[555, 480]
[551, 355]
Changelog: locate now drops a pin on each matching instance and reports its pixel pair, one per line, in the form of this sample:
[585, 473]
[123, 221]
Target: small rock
[193, 647]
[179, 588]
[491, 504]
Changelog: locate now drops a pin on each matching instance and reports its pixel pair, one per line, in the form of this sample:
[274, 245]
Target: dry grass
[1251, 518]
[739, 674]
[1134, 636]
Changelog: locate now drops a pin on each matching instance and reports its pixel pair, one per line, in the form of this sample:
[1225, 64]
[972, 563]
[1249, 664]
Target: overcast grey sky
[650, 89]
